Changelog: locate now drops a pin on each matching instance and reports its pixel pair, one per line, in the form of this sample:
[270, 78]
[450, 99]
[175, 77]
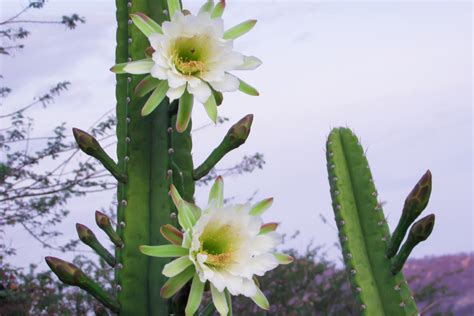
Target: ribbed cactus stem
[419, 232]
[363, 230]
[236, 136]
[103, 221]
[153, 155]
[72, 275]
[415, 203]
[89, 145]
[88, 237]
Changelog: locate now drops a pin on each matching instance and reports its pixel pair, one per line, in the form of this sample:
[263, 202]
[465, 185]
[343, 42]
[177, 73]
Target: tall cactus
[373, 266]
[152, 156]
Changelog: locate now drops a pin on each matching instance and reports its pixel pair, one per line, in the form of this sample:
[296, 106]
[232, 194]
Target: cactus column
[148, 151]
[376, 279]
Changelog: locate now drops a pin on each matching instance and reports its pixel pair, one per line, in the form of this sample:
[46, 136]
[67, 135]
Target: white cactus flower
[227, 246]
[191, 57]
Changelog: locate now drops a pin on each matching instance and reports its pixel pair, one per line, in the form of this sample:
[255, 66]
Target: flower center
[190, 54]
[219, 242]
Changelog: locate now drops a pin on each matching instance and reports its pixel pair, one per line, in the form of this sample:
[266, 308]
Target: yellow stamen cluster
[190, 67]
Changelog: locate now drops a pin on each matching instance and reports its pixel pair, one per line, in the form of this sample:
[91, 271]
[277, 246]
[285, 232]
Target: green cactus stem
[89, 145]
[88, 237]
[236, 136]
[419, 232]
[363, 230]
[72, 275]
[415, 203]
[103, 221]
[152, 155]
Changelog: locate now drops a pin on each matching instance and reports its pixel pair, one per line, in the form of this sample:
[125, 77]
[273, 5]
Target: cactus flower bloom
[225, 246]
[191, 56]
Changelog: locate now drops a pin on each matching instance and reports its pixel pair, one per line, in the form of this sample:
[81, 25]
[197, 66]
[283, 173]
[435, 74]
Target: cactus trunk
[148, 150]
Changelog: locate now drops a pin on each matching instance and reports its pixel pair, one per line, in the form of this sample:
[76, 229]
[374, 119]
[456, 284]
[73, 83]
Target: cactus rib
[363, 230]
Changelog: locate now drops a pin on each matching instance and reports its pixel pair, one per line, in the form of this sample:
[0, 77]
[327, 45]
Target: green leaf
[216, 195]
[186, 214]
[211, 108]
[138, 67]
[248, 89]
[283, 258]
[207, 7]
[268, 227]
[155, 98]
[260, 299]
[218, 10]
[145, 24]
[184, 111]
[172, 234]
[175, 283]
[228, 299]
[146, 85]
[218, 96]
[219, 301]
[164, 251]
[176, 266]
[208, 310]
[195, 295]
[239, 29]
[261, 207]
[173, 7]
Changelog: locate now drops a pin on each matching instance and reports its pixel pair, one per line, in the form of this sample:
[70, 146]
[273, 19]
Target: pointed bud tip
[53, 261]
[422, 229]
[101, 219]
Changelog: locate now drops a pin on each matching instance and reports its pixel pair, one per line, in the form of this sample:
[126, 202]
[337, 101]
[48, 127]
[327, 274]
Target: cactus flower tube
[191, 56]
[223, 245]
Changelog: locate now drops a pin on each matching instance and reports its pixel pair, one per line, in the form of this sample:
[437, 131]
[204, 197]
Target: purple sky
[398, 73]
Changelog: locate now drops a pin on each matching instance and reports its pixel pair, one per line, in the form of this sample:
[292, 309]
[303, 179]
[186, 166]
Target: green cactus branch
[236, 136]
[363, 230]
[72, 275]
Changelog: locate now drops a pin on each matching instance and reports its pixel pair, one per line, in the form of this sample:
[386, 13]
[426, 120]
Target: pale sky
[398, 73]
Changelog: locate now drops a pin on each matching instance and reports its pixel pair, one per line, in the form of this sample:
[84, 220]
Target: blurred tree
[39, 175]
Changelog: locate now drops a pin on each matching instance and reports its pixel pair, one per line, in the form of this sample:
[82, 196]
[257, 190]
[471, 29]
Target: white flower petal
[175, 93]
[175, 80]
[249, 288]
[202, 92]
[158, 72]
[228, 84]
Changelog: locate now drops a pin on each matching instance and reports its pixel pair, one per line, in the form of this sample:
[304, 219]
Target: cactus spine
[376, 279]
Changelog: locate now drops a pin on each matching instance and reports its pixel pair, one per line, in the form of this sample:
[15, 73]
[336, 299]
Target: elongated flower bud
[72, 275]
[415, 203]
[88, 237]
[419, 232]
[103, 221]
[66, 272]
[239, 132]
[236, 136]
[89, 145]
